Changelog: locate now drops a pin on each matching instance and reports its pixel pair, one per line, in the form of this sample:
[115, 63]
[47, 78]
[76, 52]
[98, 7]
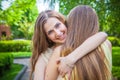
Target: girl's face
[55, 30]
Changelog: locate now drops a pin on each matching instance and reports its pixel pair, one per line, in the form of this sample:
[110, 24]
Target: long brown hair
[83, 23]
[40, 40]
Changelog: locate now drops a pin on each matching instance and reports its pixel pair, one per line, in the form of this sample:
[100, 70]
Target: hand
[65, 66]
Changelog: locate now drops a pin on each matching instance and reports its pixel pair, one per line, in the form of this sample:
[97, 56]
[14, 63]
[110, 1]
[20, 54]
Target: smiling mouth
[62, 37]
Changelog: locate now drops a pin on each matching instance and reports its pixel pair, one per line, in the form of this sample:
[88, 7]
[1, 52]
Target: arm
[39, 69]
[79, 52]
[51, 69]
[88, 45]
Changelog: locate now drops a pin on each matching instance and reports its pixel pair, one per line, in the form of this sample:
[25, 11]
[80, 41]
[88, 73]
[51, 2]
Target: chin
[62, 42]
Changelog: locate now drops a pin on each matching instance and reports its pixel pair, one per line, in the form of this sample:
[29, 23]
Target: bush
[6, 60]
[116, 71]
[116, 62]
[15, 45]
[115, 41]
[116, 56]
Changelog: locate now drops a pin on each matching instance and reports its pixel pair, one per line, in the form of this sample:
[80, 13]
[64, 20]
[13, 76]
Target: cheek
[65, 29]
[51, 37]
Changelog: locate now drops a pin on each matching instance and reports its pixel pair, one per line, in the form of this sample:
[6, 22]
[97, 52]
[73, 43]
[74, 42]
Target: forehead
[50, 23]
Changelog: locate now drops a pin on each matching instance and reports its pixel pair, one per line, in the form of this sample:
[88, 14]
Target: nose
[58, 33]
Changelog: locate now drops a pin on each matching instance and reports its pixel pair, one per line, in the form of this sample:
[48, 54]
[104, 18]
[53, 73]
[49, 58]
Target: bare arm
[39, 69]
[88, 45]
[51, 69]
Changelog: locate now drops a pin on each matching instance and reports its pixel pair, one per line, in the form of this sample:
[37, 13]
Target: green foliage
[116, 62]
[10, 74]
[19, 54]
[15, 45]
[21, 13]
[113, 17]
[107, 10]
[116, 56]
[115, 41]
[16, 10]
[6, 60]
[116, 71]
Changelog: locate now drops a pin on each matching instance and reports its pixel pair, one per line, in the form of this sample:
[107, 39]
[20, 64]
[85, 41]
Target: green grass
[10, 74]
[20, 54]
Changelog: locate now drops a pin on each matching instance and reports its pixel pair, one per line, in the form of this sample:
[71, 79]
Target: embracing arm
[52, 67]
[88, 45]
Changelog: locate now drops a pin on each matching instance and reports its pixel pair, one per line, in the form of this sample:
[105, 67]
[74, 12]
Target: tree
[15, 15]
[107, 10]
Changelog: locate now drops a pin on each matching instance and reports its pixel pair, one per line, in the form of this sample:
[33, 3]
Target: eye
[57, 25]
[50, 32]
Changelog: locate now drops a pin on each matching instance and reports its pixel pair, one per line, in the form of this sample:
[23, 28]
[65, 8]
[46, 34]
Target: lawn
[10, 74]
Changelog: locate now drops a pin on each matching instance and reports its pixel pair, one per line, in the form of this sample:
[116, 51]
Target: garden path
[24, 61]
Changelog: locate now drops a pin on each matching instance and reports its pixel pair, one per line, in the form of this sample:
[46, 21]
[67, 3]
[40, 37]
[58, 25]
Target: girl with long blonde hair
[96, 65]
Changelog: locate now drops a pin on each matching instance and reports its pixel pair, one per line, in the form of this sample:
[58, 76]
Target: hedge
[6, 60]
[116, 62]
[116, 56]
[115, 41]
[15, 45]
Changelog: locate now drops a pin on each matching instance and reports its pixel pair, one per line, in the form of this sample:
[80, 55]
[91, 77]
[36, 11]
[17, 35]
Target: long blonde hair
[40, 40]
[83, 23]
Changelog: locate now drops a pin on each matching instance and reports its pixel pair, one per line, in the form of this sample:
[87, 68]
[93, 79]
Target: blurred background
[17, 19]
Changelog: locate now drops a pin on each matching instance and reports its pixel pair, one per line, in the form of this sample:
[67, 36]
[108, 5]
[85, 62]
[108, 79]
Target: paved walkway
[24, 61]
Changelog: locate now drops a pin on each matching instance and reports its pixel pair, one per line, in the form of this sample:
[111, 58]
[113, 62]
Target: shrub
[15, 45]
[116, 56]
[6, 60]
[116, 71]
[116, 62]
[115, 41]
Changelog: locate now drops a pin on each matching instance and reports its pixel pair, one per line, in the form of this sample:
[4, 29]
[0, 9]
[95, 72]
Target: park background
[17, 20]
